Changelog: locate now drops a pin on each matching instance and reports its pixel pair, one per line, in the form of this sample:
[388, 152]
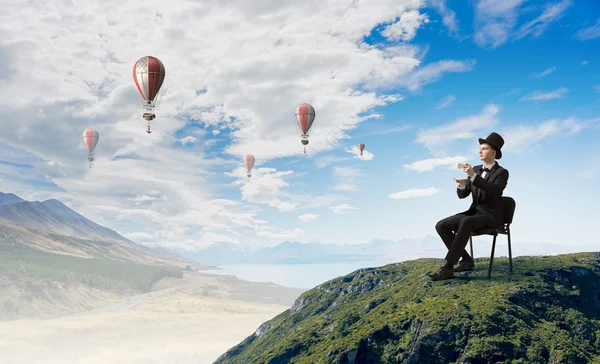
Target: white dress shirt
[475, 174]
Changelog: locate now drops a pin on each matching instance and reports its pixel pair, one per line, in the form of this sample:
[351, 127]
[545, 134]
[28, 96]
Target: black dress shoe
[464, 265]
[442, 274]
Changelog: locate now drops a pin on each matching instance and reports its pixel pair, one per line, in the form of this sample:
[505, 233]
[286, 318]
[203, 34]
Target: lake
[294, 275]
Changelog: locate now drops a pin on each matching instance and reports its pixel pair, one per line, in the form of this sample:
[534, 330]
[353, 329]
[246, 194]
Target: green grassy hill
[546, 311]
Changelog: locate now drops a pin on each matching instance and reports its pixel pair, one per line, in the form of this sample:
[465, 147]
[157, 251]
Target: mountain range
[52, 226]
[289, 252]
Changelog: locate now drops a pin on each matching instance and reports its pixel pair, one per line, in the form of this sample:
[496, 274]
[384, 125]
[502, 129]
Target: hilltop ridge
[547, 311]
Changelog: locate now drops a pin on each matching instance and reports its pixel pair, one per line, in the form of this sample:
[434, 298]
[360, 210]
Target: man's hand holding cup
[462, 182]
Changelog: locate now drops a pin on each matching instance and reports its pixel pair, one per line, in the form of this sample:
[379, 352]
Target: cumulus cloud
[307, 217]
[66, 68]
[414, 192]
[341, 209]
[406, 27]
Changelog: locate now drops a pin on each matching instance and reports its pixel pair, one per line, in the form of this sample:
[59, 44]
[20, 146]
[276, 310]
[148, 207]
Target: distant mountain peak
[53, 215]
[9, 198]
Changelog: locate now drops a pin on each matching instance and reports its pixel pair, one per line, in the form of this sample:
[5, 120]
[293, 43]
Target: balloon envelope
[148, 75]
[305, 115]
[90, 137]
[361, 146]
[250, 161]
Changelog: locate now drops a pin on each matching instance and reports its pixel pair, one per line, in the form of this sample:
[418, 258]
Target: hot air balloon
[90, 138]
[149, 75]
[249, 163]
[361, 146]
[305, 116]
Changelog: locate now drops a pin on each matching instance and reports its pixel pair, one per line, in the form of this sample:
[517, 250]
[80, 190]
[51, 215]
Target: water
[293, 275]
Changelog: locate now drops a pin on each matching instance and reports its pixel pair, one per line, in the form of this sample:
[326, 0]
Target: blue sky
[525, 69]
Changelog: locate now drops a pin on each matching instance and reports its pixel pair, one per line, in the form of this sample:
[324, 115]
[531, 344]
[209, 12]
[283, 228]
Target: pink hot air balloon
[249, 163]
[361, 146]
[305, 116]
[90, 138]
[149, 75]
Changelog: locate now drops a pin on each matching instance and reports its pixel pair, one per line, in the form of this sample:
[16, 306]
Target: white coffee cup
[460, 165]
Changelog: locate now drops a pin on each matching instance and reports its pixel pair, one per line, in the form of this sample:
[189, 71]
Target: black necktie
[485, 170]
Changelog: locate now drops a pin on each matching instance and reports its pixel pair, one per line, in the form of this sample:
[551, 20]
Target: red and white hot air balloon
[90, 138]
[305, 116]
[149, 75]
[361, 146]
[249, 163]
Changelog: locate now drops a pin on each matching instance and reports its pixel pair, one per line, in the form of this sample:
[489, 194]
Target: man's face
[486, 152]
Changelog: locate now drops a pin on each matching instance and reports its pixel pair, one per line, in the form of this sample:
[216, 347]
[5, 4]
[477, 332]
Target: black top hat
[495, 141]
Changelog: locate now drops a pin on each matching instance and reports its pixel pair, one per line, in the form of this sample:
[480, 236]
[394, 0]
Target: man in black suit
[486, 184]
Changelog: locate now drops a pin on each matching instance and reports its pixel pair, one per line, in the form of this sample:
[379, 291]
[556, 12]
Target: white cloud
[589, 33]
[545, 72]
[345, 176]
[431, 73]
[495, 21]
[406, 27]
[414, 192]
[430, 164]
[355, 151]
[463, 128]
[552, 13]
[348, 187]
[307, 217]
[546, 95]
[385, 130]
[187, 140]
[584, 62]
[243, 86]
[446, 102]
[341, 209]
[526, 136]
[264, 187]
[326, 160]
[448, 16]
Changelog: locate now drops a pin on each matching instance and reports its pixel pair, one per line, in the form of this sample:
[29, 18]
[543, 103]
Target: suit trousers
[456, 230]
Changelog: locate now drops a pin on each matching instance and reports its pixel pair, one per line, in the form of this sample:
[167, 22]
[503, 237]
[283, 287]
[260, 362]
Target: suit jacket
[486, 192]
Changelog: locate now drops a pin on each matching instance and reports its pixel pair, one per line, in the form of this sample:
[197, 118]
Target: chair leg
[509, 251]
[492, 257]
[471, 241]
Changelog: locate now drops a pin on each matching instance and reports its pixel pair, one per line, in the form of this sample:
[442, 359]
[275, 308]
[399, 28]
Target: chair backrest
[508, 209]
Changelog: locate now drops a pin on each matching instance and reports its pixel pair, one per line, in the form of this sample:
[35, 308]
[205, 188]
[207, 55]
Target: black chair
[508, 211]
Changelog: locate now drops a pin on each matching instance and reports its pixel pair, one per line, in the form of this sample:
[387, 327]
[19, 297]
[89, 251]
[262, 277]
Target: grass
[547, 310]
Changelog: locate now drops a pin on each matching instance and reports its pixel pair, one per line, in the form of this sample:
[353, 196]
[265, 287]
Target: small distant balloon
[361, 146]
[90, 138]
[249, 163]
[149, 74]
[305, 117]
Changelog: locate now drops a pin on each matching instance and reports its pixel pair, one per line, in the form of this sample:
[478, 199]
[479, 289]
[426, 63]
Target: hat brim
[498, 151]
